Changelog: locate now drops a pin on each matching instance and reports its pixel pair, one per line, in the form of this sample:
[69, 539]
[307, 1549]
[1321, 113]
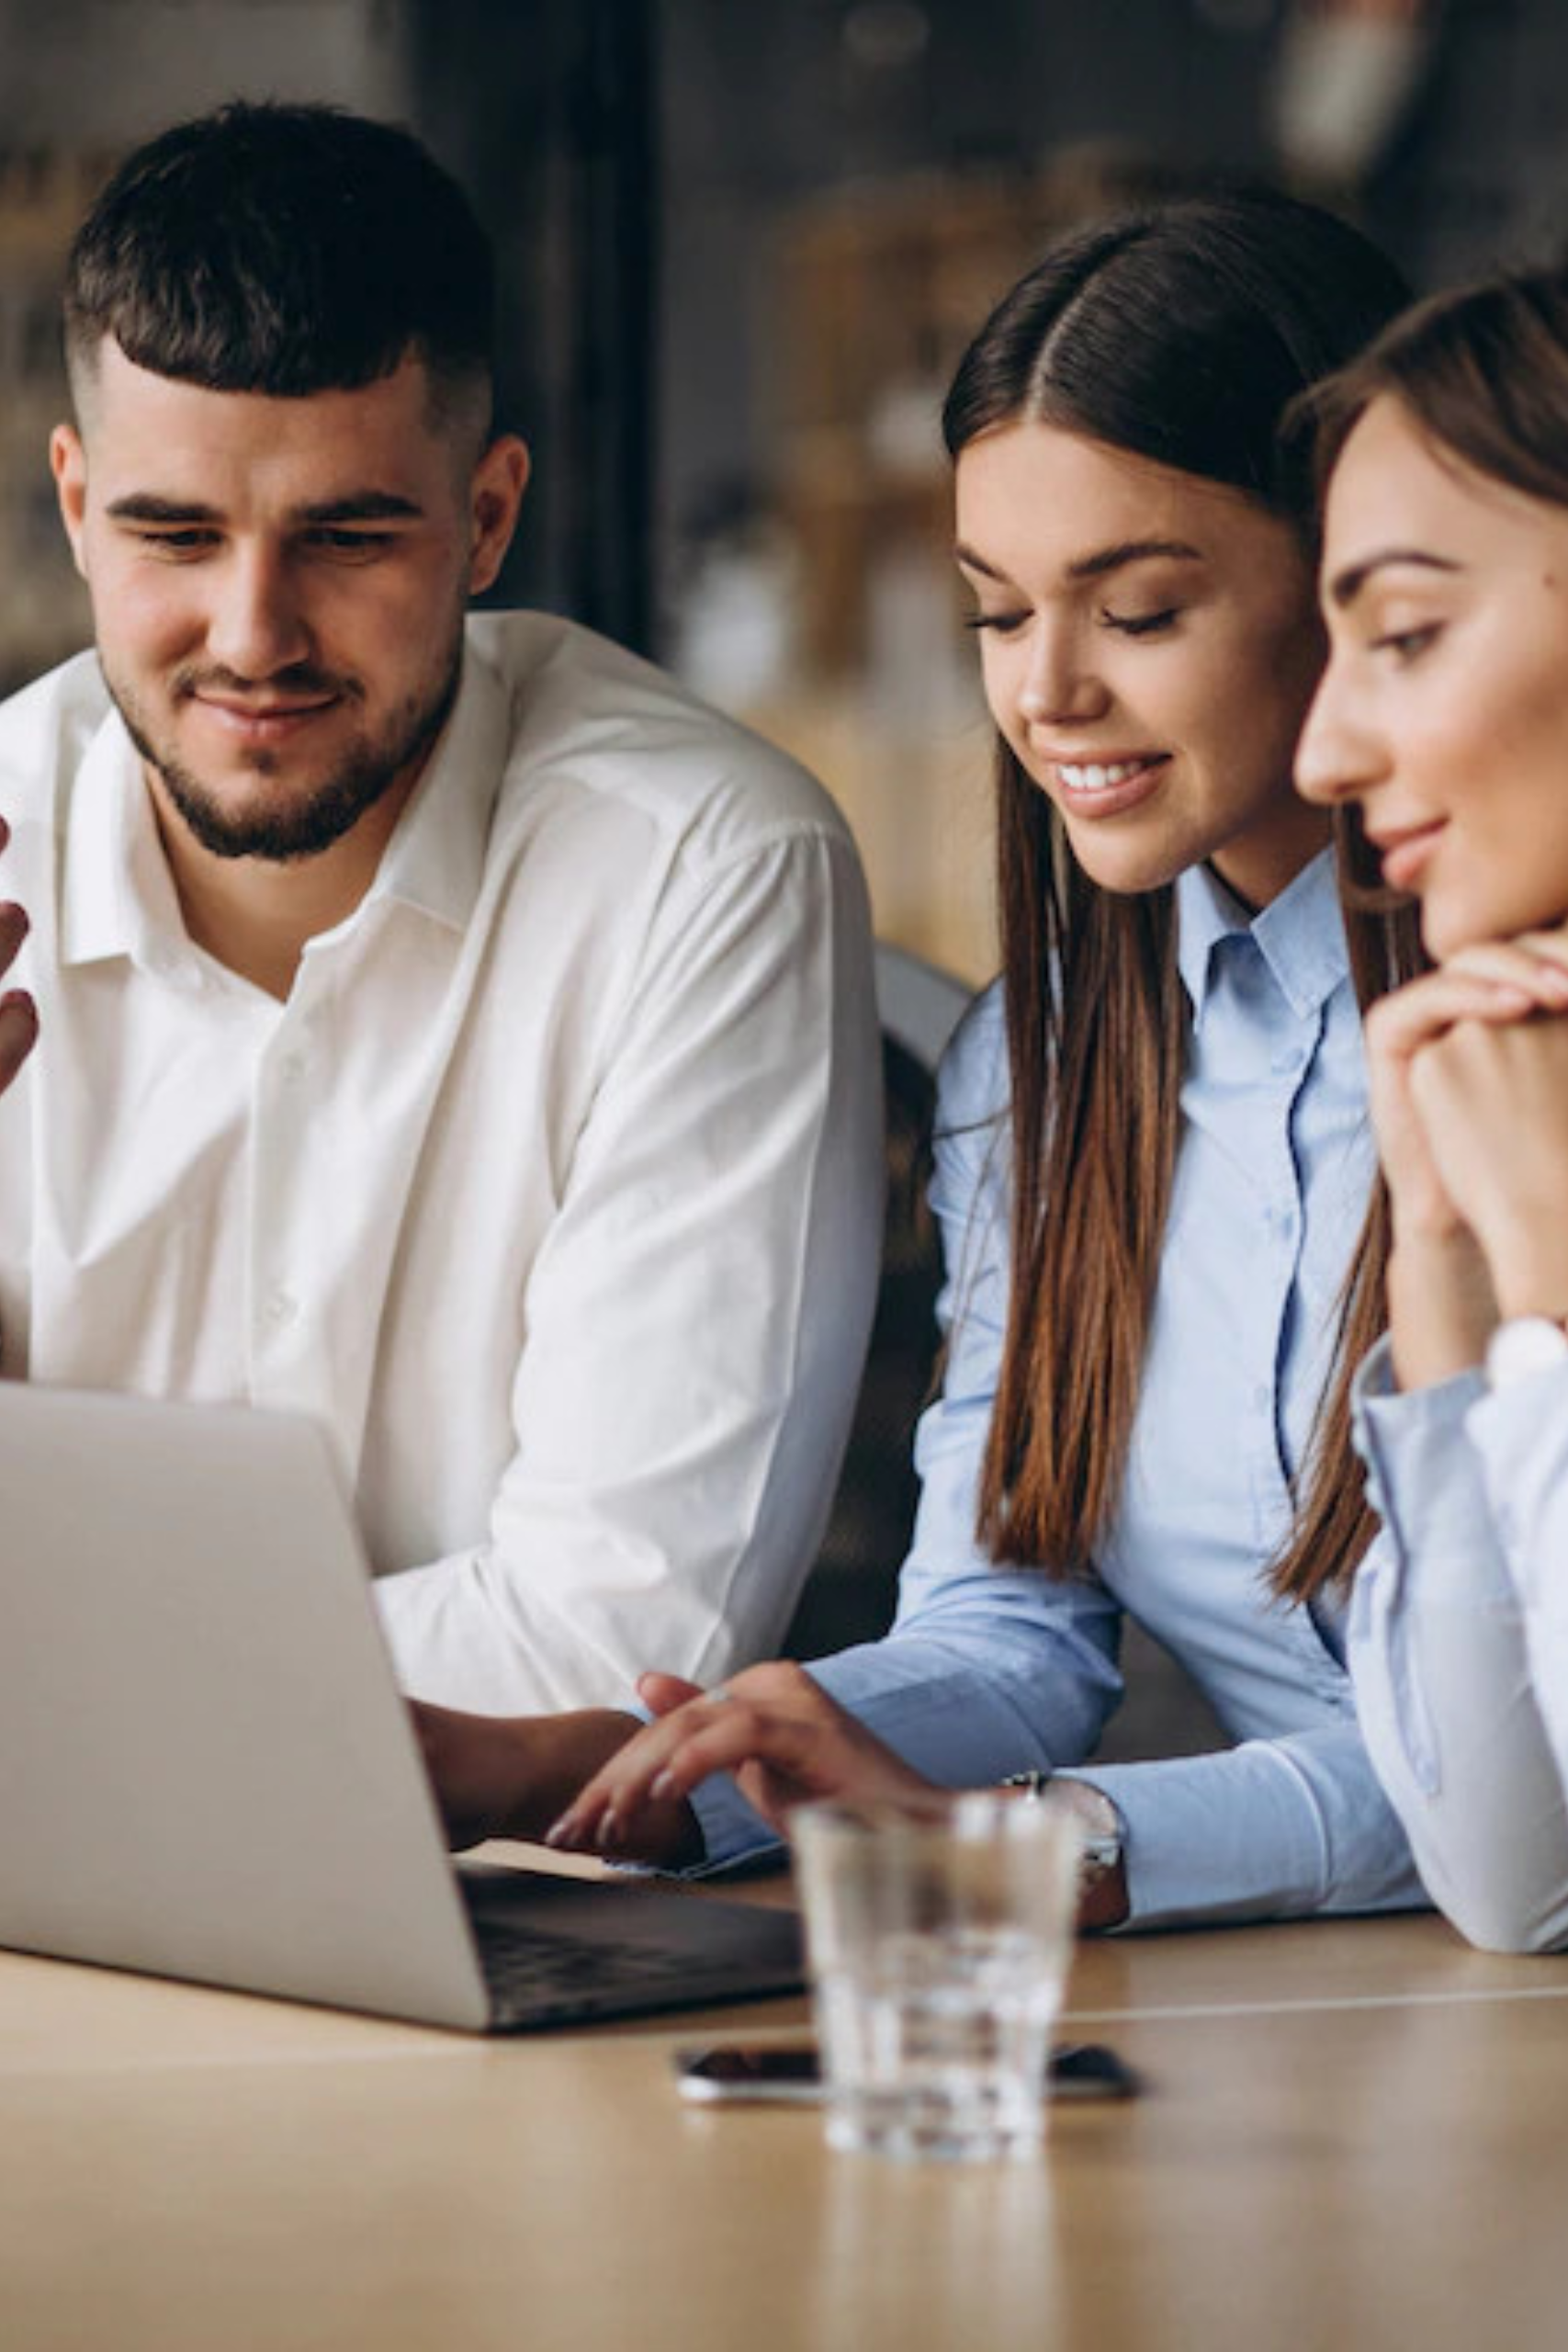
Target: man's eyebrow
[1103, 560]
[1346, 586]
[358, 507]
[146, 506]
[365, 506]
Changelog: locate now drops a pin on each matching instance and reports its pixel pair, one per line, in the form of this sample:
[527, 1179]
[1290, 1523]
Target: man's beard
[286, 833]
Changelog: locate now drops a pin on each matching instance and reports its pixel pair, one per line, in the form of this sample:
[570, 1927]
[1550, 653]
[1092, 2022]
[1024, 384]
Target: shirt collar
[117, 897]
[435, 861]
[1300, 934]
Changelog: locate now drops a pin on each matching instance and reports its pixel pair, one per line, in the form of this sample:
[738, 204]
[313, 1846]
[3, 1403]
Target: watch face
[1528, 1344]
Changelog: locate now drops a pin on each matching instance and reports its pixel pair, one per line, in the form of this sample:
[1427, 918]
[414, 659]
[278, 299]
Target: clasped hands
[1468, 1081]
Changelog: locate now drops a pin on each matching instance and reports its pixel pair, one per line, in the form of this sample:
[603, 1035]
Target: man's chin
[268, 813]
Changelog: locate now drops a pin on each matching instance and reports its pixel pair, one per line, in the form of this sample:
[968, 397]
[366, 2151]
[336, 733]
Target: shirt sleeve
[989, 1671]
[696, 1322]
[985, 1670]
[1458, 1643]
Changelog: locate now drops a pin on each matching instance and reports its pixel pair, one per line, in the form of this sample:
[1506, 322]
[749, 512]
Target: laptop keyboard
[543, 1978]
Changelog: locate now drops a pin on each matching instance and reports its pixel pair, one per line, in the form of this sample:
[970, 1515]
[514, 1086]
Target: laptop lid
[205, 1766]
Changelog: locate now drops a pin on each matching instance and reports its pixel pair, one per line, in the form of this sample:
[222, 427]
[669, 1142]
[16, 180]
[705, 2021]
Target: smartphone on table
[762, 2074]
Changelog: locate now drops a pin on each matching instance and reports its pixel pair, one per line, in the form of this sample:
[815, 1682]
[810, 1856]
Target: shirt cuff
[1257, 1832]
[1408, 1440]
[1520, 1437]
[733, 1832]
[1199, 1847]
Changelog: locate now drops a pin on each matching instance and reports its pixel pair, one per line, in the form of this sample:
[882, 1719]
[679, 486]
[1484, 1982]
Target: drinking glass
[939, 1945]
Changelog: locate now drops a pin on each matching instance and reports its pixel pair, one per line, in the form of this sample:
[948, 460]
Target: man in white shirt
[445, 1026]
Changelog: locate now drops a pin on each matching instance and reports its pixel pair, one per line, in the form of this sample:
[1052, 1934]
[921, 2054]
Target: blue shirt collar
[1299, 935]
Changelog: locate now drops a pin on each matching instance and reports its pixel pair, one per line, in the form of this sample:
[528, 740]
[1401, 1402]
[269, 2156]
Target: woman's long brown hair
[1183, 336]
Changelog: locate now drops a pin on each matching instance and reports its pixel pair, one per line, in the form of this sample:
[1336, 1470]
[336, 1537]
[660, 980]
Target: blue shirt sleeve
[990, 1670]
[985, 1671]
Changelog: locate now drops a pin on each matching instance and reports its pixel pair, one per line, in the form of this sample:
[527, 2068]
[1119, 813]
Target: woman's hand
[1441, 1307]
[1493, 1103]
[1498, 984]
[773, 1726]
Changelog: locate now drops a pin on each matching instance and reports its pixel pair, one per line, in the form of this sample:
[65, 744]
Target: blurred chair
[852, 1589]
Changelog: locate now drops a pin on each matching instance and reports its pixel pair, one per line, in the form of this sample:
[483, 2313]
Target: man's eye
[337, 541]
[192, 541]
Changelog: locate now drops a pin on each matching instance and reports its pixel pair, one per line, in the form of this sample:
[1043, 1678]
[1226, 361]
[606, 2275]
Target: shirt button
[280, 1309]
[292, 1068]
[1263, 1397]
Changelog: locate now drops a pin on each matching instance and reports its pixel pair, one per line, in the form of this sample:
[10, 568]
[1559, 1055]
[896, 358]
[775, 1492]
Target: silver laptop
[205, 1770]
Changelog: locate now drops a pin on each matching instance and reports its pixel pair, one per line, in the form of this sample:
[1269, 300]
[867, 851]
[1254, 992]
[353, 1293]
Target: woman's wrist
[1441, 1307]
[1530, 1276]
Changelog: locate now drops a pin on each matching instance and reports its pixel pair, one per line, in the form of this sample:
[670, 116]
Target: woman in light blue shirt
[1152, 1160]
[1445, 715]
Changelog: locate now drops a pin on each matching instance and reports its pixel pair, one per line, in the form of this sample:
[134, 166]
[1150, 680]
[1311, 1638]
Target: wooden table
[1354, 2135]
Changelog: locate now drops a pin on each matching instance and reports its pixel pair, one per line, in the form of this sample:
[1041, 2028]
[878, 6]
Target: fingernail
[560, 1833]
[609, 1831]
[662, 1785]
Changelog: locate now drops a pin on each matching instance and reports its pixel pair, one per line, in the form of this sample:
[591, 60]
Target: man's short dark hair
[284, 250]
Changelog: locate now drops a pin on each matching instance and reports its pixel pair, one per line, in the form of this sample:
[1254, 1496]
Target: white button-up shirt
[552, 1189]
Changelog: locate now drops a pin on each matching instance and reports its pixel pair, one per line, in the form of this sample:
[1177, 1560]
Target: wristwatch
[1523, 1346]
[1103, 1848]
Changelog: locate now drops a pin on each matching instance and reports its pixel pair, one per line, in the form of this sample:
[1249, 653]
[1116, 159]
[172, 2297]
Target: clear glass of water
[939, 1945]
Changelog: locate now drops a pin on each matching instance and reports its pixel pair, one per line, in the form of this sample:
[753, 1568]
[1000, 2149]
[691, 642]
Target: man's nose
[256, 625]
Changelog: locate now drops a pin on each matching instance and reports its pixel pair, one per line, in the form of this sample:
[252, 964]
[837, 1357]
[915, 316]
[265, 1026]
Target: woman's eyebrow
[1348, 584]
[1111, 559]
[1103, 560]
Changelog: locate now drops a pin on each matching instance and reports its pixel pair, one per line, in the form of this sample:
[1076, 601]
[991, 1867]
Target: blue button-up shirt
[991, 1671]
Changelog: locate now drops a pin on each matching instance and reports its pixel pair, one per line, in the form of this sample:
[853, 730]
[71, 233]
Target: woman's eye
[1142, 624]
[1407, 645]
[1003, 623]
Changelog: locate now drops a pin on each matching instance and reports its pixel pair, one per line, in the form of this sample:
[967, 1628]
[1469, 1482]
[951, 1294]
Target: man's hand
[505, 1776]
[773, 1726]
[18, 1015]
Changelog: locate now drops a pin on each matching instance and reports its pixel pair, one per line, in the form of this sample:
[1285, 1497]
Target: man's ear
[68, 463]
[495, 495]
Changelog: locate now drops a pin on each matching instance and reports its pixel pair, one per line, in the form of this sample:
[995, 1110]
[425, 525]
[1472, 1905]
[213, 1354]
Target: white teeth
[1096, 778]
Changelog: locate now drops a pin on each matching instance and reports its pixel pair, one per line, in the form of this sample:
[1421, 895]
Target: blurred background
[743, 243]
